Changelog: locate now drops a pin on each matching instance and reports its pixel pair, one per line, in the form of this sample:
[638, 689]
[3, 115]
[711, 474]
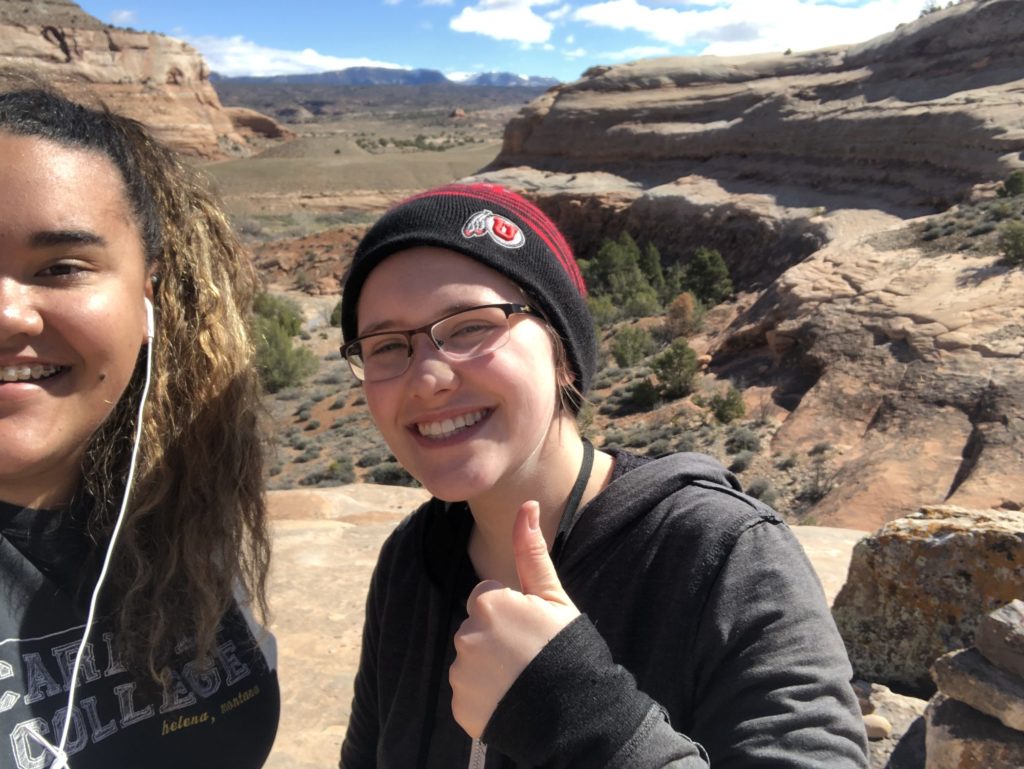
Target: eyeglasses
[460, 336]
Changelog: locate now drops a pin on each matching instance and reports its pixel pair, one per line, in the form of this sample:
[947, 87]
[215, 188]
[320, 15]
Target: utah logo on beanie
[505, 233]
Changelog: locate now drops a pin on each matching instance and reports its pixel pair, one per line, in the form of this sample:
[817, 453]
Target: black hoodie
[221, 714]
[705, 641]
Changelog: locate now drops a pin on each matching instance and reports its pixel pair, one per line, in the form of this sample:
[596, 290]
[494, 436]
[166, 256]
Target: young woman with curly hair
[133, 533]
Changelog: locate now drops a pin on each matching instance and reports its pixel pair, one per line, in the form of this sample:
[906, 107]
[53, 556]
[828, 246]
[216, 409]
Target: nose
[430, 372]
[18, 313]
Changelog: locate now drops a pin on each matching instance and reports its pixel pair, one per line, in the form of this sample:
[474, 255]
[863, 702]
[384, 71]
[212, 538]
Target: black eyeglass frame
[509, 308]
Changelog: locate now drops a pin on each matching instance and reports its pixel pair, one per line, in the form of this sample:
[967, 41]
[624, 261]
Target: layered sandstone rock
[977, 718]
[797, 169]
[959, 737]
[158, 80]
[917, 115]
[919, 587]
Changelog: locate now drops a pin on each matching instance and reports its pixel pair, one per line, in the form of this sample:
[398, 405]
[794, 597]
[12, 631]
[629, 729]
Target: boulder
[966, 676]
[895, 727]
[959, 737]
[1000, 638]
[919, 586]
[250, 121]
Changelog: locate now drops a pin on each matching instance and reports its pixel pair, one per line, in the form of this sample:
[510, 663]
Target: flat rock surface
[325, 546]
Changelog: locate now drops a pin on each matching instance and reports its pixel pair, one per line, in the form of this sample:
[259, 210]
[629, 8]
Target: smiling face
[463, 428]
[72, 320]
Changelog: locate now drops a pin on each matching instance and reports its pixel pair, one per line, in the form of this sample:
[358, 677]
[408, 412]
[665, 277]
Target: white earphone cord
[60, 756]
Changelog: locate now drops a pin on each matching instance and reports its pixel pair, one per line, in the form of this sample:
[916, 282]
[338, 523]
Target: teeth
[447, 427]
[26, 373]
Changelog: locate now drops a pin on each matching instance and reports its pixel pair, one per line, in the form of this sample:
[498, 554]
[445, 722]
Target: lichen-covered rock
[959, 737]
[919, 586]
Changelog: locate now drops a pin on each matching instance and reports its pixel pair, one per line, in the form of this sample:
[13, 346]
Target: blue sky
[529, 37]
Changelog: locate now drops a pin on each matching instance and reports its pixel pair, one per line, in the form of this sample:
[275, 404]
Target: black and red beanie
[501, 230]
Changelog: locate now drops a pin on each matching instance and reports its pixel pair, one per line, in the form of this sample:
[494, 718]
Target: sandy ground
[326, 543]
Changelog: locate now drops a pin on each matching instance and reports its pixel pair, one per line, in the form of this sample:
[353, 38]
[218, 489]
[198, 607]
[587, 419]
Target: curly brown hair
[195, 531]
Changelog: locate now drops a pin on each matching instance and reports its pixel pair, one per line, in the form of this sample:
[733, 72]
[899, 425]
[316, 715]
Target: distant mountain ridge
[390, 76]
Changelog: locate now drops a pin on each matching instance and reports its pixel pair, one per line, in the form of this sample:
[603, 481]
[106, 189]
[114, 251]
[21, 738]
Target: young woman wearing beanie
[674, 621]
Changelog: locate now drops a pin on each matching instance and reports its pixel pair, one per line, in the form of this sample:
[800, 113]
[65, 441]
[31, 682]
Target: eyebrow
[387, 325]
[49, 238]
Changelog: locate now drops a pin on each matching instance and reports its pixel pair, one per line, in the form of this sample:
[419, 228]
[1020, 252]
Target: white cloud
[753, 26]
[234, 56]
[124, 18]
[558, 13]
[570, 39]
[576, 53]
[548, 47]
[392, 2]
[505, 20]
[436, 2]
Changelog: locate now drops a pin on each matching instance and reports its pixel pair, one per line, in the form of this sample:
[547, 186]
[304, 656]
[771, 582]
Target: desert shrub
[787, 462]
[707, 276]
[684, 315]
[613, 436]
[742, 439]
[280, 363]
[686, 441]
[337, 472]
[1013, 186]
[606, 378]
[1011, 242]
[332, 378]
[312, 452]
[312, 424]
[282, 310]
[819, 448]
[999, 211]
[372, 457]
[658, 447]
[676, 368]
[981, 228]
[741, 461]
[335, 319]
[631, 345]
[390, 474]
[337, 403]
[642, 395]
[727, 406]
[759, 488]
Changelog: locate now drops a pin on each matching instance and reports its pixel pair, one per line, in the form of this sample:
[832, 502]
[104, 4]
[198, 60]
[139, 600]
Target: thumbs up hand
[506, 628]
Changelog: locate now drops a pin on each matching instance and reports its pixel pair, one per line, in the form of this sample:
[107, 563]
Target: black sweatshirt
[705, 641]
[214, 716]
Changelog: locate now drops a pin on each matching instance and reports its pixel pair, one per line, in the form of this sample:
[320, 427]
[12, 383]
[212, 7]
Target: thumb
[537, 575]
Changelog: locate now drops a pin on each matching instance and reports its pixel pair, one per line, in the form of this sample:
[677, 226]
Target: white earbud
[150, 323]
